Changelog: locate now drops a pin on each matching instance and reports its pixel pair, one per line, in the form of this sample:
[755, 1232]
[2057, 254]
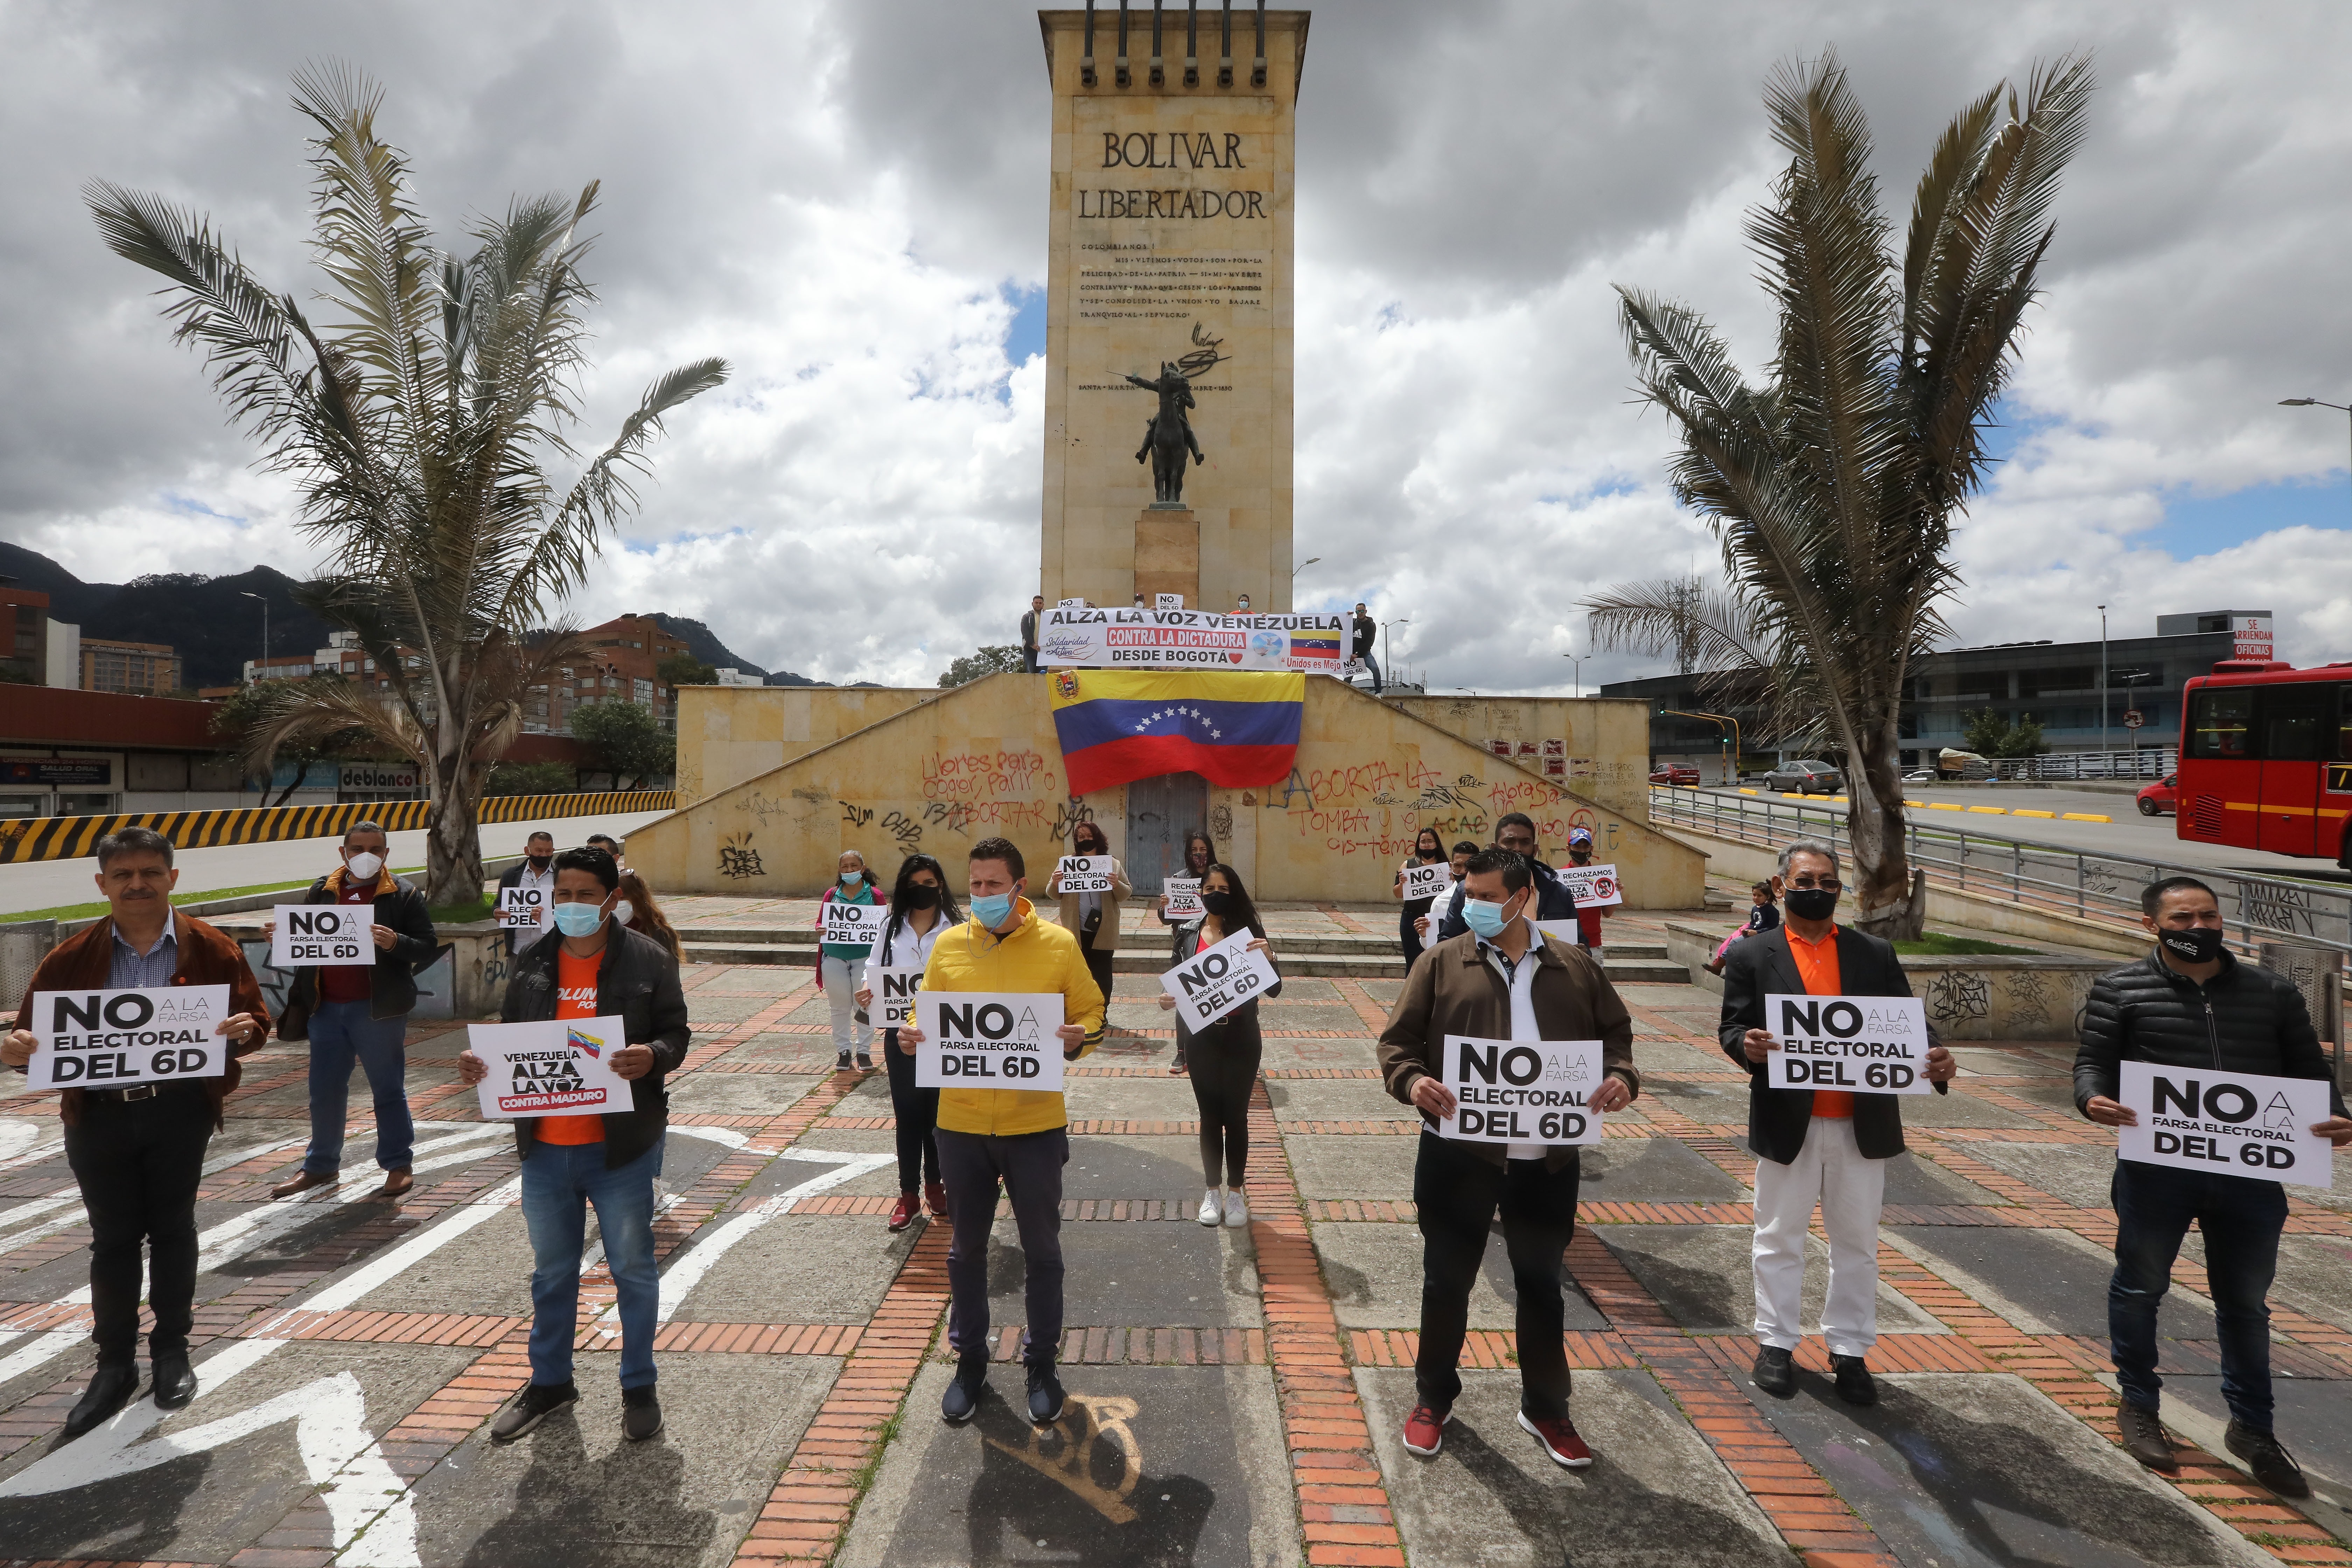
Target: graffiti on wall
[738, 860]
[978, 775]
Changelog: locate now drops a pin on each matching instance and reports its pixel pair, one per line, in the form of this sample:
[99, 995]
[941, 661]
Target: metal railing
[2139, 762]
[2084, 883]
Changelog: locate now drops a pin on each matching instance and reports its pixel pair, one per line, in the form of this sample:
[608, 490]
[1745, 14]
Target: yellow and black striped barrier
[71, 837]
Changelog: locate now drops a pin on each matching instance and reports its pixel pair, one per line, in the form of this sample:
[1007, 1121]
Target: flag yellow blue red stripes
[1238, 729]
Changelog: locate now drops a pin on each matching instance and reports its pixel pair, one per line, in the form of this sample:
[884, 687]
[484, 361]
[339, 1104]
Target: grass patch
[457, 914]
[1942, 944]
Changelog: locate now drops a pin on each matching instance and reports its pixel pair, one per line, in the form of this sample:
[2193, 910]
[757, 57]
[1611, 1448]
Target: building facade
[621, 665]
[24, 634]
[139, 668]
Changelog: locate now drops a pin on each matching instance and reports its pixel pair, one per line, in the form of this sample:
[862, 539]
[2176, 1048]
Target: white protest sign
[1570, 931]
[1594, 884]
[1084, 873]
[559, 1067]
[520, 907]
[323, 933]
[1184, 897]
[1072, 605]
[1429, 881]
[1870, 1045]
[2227, 1123]
[1168, 601]
[1216, 980]
[1521, 1091]
[980, 1039]
[895, 990]
[852, 925]
[104, 1039]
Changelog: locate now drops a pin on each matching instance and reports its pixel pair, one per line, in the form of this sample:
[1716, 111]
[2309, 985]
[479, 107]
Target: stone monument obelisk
[1168, 324]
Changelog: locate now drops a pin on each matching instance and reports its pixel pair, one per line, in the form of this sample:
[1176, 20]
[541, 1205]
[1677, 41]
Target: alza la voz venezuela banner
[1191, 640]
[1237, 730]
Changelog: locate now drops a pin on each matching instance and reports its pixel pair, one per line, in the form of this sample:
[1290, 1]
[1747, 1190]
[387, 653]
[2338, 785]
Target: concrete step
[1150, 942]
[1622, 968]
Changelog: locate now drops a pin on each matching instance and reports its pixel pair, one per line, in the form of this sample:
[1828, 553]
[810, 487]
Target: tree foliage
[419, 428]
[252, 709]
[685, 669]
[530, 778]
[992, 660]
[1990, 735]
[626, 740]
[1831, 484]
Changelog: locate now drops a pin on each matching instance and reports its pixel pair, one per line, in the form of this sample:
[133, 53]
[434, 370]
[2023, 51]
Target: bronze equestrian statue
[1168, 436]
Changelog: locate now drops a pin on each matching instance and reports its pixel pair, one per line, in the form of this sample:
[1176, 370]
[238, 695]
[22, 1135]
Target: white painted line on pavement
[689, 1268]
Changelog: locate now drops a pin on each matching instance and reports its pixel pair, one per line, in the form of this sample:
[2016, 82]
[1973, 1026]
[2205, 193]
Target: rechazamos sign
[2233, 1124]
[105, 1040]
[1191, 640]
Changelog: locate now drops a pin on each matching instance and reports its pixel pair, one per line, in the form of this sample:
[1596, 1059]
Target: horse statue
[1168, 436]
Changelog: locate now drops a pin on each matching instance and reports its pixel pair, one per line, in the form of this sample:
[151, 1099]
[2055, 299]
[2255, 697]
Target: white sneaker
[1211, 1210]
[1237, 1210]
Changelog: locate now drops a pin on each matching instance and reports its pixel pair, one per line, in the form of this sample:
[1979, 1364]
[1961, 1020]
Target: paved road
[50, 884]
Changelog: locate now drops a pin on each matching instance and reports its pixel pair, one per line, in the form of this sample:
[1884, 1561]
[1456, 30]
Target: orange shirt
[1817, 967]
[575, 997]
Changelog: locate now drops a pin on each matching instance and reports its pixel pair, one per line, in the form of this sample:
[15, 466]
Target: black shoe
[533, 1405]
[175, 1381]
[1775, 1373]
[964, 1390]
[864, 1062]
[2144, 1438]
[840, 1062]
[110, 1388]
[640, 1413]
[1046, 1393]
[1854, 1380]
[2272, 1464]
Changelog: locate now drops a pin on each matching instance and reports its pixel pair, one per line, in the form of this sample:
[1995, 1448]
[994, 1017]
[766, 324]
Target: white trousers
[842, 976]
[1832, 1172]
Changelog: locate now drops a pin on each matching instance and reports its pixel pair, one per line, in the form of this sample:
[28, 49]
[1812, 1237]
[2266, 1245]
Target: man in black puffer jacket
[2191, 1004]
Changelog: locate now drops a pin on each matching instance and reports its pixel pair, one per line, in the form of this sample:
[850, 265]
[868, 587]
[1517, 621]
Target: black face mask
[1221, 905]
[1811, 903]
[539, 862]
[2198, 945]
[921, 896]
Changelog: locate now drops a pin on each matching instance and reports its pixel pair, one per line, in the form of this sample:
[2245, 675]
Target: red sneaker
[935, 1199]
[1559, 1439]
[902, 1213]
[1425, 1430]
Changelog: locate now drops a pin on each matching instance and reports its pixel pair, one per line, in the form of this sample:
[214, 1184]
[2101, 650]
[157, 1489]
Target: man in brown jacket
[138, 1152]
[1500, 980]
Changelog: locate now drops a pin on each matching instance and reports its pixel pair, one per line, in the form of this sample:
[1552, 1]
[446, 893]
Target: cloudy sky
[848, 202]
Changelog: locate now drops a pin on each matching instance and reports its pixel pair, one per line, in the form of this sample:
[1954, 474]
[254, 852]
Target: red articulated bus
[2266, 759]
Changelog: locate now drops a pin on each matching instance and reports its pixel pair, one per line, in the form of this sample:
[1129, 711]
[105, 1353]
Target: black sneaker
[840, 1062]
[1046, 1393]
[2272, 1464]
[962, 1397]
[864, 1062]
[640, 1413]
[1775, 1373]
[1855, 1385]
[533, 1405]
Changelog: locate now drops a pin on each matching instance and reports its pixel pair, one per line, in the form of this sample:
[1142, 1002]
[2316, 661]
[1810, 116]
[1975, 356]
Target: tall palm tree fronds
[1740, 661]
[419, 427]
[1831, 486]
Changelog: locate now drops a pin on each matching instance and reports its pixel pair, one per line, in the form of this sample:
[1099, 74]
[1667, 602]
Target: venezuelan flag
[1235, 728]
[593, 1044]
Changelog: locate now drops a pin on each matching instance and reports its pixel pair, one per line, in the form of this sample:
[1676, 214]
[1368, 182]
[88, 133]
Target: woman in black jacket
[1225, 1056]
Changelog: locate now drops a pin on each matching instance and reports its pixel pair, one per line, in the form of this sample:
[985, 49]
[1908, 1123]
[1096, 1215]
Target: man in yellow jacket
[1018, 1135]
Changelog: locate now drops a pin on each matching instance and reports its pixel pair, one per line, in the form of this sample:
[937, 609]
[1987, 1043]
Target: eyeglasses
[1827, 884]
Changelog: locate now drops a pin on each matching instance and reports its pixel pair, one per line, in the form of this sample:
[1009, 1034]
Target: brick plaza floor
[1236, 1394]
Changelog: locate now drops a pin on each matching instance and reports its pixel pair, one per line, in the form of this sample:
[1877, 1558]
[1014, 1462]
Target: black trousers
[1223, 1061]
[137, 1162]
[917, 1110]
[1098, 966]
[1457, 1194]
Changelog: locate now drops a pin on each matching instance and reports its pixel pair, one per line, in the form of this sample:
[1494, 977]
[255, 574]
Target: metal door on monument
[1159, 811]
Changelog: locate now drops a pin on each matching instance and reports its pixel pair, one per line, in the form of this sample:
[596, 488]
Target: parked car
[1674, 773]
[1920, 775]
[2161, 798]
[1805, 778]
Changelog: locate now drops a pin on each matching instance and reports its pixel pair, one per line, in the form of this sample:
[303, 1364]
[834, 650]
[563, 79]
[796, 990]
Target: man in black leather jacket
[1555, 900]
[2191, 1004]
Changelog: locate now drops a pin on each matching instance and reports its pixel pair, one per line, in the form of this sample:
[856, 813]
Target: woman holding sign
[1225, 1056]
[1428, 849]
[1093, 917]
[921, 907]
[841, 967]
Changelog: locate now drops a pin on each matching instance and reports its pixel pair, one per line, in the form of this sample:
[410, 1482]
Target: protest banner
[852, 925]
[894, 996]
[1084, 873]
[1184, 897]
[1430, 881]
[323, 933]
[1521, 1091]
[106, 1039]
[980, 1039]
[1218, 979]
[1594, 884]
[522, 907]
[558, 1066]
[2227, 1123]
[1138, 639]
[1871, 1045]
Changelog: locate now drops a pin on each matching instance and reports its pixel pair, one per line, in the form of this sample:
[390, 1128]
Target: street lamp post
[2318, 403]
[1730, 737]
[1576, 670]
[1388, 654]
[1303, 565]
[2108, 761]
[261, 669]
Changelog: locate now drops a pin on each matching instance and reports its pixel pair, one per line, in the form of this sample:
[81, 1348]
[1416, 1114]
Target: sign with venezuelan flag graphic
[1190, 640]
[555, 1067]
[1239, 730]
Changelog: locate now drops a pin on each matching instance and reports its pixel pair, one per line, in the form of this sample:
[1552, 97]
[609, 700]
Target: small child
[1764, 916]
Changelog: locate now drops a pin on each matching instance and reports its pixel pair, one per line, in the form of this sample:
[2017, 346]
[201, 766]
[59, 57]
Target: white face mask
[625, 912]
[366, 864]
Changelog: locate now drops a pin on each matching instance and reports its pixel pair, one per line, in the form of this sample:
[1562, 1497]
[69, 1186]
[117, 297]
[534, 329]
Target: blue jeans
[339, 1032]
[1374, 666]
[2240, 1219]
[559, 1181]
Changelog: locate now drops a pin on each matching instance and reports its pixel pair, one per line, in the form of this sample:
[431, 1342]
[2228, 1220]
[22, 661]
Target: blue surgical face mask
[992, 909]
[578, 920]
[1486, 919]
[851, 879]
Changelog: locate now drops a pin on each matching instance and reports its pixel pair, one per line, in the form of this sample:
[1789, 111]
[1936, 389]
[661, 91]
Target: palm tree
[419, 430]
[1831, 486]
